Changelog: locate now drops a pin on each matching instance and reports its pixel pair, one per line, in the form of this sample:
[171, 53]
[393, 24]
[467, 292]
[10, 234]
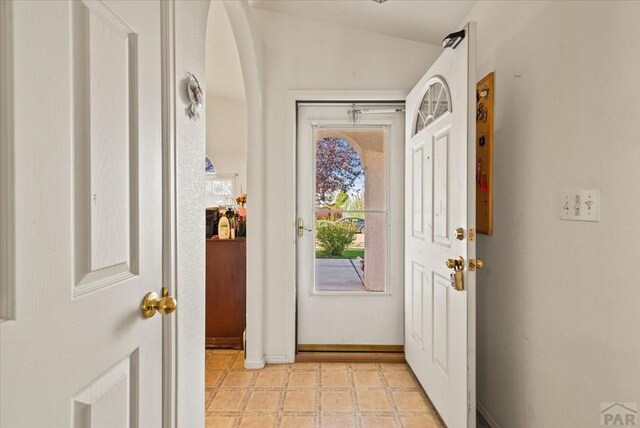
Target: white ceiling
[420, 20]
[224, 73]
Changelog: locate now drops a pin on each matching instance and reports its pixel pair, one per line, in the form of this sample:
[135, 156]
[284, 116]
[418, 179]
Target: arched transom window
[435, 103]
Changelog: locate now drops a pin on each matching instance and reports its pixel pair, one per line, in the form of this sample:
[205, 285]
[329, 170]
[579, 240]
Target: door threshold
[350, 348]
[350, 357]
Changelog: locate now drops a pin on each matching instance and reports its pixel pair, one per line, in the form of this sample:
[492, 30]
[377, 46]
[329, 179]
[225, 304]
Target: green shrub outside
[335, 238]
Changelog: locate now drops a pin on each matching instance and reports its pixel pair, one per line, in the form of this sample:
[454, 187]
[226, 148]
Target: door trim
[169, 215]
[294, 97]
[350, 348]
[7, 304]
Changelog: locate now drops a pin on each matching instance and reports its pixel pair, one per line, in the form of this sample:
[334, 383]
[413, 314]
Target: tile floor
[327, 395]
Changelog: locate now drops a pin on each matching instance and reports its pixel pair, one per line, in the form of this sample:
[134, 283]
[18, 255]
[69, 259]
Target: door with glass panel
[350, 208]
[440, 246]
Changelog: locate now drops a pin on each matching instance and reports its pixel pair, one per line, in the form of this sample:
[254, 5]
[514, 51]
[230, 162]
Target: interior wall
[302, 54]
[557, 309]
[190, 21]
[227, 137]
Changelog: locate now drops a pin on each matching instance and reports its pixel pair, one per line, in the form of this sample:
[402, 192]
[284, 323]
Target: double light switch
[580, 205]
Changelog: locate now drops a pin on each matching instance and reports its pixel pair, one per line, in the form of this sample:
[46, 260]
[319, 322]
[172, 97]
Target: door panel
[334, 292]
[440, 193]
[88, 232]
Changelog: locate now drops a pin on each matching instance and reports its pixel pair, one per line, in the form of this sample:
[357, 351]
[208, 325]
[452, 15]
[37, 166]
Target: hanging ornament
[195, 95]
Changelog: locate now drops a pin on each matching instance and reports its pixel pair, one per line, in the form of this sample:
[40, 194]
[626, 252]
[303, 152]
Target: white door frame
[293, 97]
[169, 260]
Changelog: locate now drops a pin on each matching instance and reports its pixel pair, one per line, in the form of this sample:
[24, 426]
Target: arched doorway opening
[234, 142]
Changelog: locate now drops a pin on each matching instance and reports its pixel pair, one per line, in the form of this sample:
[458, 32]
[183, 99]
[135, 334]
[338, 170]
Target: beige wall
[227, 137]
[558, 313]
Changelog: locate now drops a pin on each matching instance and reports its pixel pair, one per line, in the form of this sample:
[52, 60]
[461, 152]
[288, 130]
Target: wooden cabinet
[226, 292]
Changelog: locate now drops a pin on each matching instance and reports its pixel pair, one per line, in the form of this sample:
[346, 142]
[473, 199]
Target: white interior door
[86, 141]
[440, 198]
[355, 297]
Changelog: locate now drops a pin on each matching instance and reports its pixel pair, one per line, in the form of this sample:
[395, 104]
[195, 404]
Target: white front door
[440, 198]
[350, 178]
[86, 136]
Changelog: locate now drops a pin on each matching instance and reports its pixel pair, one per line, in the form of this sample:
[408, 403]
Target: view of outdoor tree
[338, 167]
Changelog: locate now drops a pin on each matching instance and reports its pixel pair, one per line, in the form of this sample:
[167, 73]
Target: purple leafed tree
[338, 167]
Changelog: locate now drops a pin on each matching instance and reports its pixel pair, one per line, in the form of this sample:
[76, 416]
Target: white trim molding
[169, 215]
[7, 287]
[486, 415]
[255, 364]
[250, 50]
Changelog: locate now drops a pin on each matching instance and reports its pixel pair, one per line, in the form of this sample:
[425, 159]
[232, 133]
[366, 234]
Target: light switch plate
[580, 205]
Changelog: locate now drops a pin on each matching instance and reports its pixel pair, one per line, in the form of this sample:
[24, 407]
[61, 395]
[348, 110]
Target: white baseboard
[486, 415]
[277, 359]
[254, 365]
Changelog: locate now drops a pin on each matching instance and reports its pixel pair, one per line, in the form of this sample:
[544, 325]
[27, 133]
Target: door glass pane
[435, 103]
[351, 210]
[351, 251]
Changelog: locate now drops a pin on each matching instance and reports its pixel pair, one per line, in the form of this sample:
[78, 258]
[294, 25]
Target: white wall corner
[486, 415]
[255, 364]
[279, 359]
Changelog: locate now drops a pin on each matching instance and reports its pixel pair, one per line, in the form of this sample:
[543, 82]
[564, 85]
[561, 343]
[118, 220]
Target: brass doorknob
[153, 303]
[457, 264]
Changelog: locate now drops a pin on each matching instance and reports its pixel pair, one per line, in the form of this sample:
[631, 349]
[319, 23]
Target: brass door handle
[456, 264]
[153, 303]
[301, 228]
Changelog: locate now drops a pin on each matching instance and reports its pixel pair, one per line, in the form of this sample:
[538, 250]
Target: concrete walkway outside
[338, 275]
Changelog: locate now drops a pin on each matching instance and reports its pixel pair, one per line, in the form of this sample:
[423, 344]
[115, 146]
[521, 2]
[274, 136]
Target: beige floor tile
[238, 364]
[300, 401]
[411, 401]
[297, 421]
[266, 421]
[303, 380]
[386, 395]
[227, 401]
[371, 421]
[365, 366]
[337, 421]
[337, 401]
[219, 361]
[421, 421]
[270, 379]
[264, 401]
[394, 366]
[238, 379]
[335, 366]
[305, 366]
[401, 379]
[373, 399]
[367, 379]
[211, 377]
[214, 352]
[220, 421]
[335, 379]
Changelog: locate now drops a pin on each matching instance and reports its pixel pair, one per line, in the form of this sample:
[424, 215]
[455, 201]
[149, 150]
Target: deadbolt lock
[459, 233]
